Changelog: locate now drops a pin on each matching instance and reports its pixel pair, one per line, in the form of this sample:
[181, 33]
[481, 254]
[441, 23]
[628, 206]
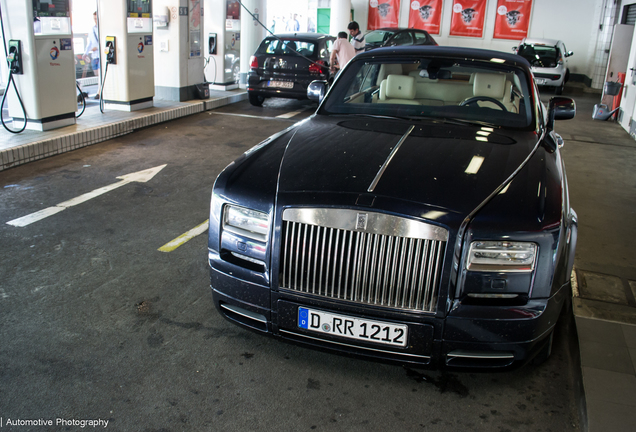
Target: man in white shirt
[358, 38]
[341, 50]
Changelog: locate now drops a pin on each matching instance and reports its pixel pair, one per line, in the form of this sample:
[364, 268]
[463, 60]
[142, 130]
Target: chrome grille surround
[362, 257]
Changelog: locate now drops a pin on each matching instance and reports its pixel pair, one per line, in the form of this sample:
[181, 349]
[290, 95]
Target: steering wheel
[475, 99]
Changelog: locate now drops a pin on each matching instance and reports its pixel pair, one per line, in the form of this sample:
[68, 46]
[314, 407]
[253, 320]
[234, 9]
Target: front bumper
[468, 337]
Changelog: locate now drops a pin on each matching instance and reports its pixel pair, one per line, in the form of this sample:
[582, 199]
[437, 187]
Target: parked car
[421, 216]
[393, 36]
[549, 61]
[285, 64]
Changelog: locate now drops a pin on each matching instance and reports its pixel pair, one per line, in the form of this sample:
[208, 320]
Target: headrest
[400, 87]
[382, 95]
[390, 68]
[490, 85]
[290, 47]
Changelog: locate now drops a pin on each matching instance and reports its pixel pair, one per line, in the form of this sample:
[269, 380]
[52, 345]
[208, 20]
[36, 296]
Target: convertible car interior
[433, 85]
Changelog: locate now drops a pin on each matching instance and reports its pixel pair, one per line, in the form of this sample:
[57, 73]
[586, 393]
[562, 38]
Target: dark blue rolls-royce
[421, 215]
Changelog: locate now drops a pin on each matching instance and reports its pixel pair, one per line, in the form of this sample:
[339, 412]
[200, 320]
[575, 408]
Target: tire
[559, 89]
[255, 99]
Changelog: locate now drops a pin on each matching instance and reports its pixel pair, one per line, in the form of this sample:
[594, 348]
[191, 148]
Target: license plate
[352, 328]
[540, 81]
[280, 84]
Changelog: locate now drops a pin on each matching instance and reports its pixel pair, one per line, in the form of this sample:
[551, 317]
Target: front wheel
[255, 99]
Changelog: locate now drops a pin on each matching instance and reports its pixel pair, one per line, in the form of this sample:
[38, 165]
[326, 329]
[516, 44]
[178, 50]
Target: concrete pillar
[340, 16]
[252, 33]
[215, 18]
[179, 50]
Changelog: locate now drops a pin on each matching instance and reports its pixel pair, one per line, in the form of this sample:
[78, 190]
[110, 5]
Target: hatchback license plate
[280, 84]
[540, 81]
[352, 328]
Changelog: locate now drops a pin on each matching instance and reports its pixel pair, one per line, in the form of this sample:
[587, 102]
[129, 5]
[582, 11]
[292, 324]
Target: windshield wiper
[457, 121]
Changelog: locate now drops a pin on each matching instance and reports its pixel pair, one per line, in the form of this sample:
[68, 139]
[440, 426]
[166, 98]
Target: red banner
[468, 18]
[513, 19]
[426, 15]
[383, 13]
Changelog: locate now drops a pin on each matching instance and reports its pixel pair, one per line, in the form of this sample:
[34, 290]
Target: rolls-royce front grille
[375, 265]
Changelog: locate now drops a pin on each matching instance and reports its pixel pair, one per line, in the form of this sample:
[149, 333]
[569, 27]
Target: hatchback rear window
[286, 47]
[540, 55]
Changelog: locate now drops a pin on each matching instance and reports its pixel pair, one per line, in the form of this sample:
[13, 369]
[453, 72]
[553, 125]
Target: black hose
[83, 100]
[4, 45]
[207, 62]
[101, 90]
[4, 97]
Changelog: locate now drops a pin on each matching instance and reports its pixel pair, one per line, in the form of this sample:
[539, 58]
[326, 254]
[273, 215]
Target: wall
[573, 21]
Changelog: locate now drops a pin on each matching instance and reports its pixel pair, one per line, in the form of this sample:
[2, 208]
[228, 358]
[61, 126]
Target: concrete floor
[96, 322]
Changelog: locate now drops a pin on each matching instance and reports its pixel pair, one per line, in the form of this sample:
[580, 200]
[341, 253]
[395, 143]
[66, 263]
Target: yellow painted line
[184, 238]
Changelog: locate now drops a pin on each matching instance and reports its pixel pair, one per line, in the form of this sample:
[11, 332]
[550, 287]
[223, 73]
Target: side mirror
[317, 90]
[569, 53]
[561, 108]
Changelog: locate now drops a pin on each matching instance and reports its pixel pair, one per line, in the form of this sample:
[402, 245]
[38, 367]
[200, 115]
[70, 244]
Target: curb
[30, 152]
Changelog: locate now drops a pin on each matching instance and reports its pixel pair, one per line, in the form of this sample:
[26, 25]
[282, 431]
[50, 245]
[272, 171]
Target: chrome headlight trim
[246, 222]
[502, 256]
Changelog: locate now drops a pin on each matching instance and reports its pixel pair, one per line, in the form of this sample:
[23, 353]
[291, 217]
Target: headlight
[503, 256]
[246, 222]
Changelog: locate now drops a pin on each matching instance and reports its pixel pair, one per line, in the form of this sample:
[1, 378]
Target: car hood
[449, 166]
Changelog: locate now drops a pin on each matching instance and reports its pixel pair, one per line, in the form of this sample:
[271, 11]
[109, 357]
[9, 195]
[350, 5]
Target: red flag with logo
[426, 15]
[383, 13]
[513, 19]
[468, 18]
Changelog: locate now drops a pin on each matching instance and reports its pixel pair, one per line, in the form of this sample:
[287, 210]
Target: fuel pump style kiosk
[40, 41]
[127, 41]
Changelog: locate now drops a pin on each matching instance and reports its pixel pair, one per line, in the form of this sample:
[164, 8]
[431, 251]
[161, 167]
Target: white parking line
[251, 116]
[289, 114]
[184, 238]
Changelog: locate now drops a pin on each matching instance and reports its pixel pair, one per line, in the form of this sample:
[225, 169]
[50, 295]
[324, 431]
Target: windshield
[377, 37]
[540, 55]
[286, 47]
[464, 90]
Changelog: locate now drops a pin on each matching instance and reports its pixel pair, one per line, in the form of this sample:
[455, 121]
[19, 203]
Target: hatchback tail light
[317, 67]
[253, 62]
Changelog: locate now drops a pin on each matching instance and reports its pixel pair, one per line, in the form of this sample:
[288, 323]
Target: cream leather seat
[489, 85]
[398, 89]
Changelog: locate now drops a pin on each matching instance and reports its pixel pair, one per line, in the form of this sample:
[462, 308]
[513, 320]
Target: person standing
[91, 54]
[357, 37]
[292, 25]
[343, 51]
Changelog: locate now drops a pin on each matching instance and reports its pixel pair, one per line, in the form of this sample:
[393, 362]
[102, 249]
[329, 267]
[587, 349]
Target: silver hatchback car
[549, 61]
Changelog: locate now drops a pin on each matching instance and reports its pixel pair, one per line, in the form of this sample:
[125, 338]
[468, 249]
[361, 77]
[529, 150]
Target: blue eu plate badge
[303, 318]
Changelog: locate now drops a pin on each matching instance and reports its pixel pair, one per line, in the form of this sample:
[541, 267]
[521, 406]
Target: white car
[549, 61]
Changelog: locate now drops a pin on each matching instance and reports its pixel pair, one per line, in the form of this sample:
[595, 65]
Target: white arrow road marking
[184, 238]
[141, 177]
